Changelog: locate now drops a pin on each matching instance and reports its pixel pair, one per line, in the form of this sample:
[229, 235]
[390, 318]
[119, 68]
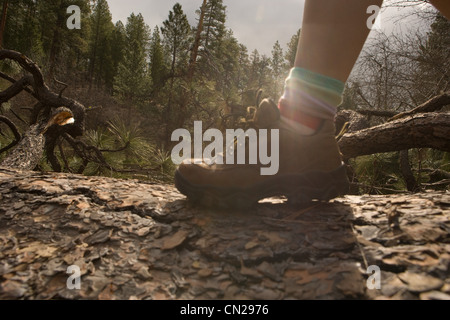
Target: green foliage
[101, 65]
[214, 24]
[381, 174]
[102, 140]
[217, 43]
[23, 29]
[138, 154]
[158, 65]
[132, 82]
[259, 72]
[176, 31]
[27, 31]
[226, 64]
[151, 76]
[291, 51]
[162, 159]
[378, 173]
[277, 65]
[132, 135]
[434, 61]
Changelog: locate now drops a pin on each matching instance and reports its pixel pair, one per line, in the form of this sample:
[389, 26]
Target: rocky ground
[135, 240]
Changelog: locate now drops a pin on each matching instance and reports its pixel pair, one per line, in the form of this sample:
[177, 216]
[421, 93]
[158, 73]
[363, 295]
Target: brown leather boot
[310, 168]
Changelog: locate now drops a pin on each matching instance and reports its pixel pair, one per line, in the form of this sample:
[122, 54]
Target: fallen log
[133, 240]
[424, 130]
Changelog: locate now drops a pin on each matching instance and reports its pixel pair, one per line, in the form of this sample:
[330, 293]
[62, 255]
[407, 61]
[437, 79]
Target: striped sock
[309, 98]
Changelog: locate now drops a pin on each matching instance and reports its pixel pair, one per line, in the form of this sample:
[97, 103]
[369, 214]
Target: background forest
[140, 83]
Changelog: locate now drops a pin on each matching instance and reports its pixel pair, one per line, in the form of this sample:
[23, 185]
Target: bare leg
[309, 163]
[333, 34]
[443, 6]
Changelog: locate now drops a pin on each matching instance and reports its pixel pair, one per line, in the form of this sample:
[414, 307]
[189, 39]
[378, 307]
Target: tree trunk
[134, 240]
[46, 98]
[94, 54]
[194, 53]
[426, 130]
[405, 169]
[56, 41]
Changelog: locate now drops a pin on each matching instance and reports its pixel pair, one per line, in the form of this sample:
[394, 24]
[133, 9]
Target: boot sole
[299, 189]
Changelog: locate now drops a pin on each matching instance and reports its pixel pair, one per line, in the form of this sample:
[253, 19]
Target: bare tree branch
[434, 104]
[16, 88]
[12, 80]
[377, 113]
[117, 150]
[45, 95]
[405, 169]
[63, 156]
[14, 130]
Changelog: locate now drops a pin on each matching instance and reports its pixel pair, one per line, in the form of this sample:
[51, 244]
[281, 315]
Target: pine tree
[65, 49]
[291, 51]
[158, 68]
[117, 43]
[214, 25]
[277, 66]
[228, 61]
[100, 47]
[175, 31]
[22, 29]
[259, 71]
[242, 73]
[198, 35]
[212, 37]
[434, 59]
[132, 80]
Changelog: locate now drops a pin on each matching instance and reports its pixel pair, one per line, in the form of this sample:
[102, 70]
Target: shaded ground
[134, 240]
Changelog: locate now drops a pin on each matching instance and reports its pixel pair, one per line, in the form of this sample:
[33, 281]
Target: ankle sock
[309, 98]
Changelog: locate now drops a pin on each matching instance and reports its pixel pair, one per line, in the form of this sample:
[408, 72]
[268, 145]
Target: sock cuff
[316, 79]
[298, 116]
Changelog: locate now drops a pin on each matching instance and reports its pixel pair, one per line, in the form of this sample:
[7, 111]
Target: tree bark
[134, 240]
[426, 130]
[405, 169]
[42, 93]
[47, 100]
[377, 113]
[194, 54]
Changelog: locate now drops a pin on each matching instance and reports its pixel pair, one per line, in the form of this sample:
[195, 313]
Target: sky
[257, 24]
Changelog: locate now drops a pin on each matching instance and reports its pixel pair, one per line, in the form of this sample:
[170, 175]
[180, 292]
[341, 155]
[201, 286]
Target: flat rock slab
[136, 240]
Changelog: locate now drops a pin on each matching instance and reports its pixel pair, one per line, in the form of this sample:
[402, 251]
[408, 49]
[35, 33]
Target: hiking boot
[310, 168]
